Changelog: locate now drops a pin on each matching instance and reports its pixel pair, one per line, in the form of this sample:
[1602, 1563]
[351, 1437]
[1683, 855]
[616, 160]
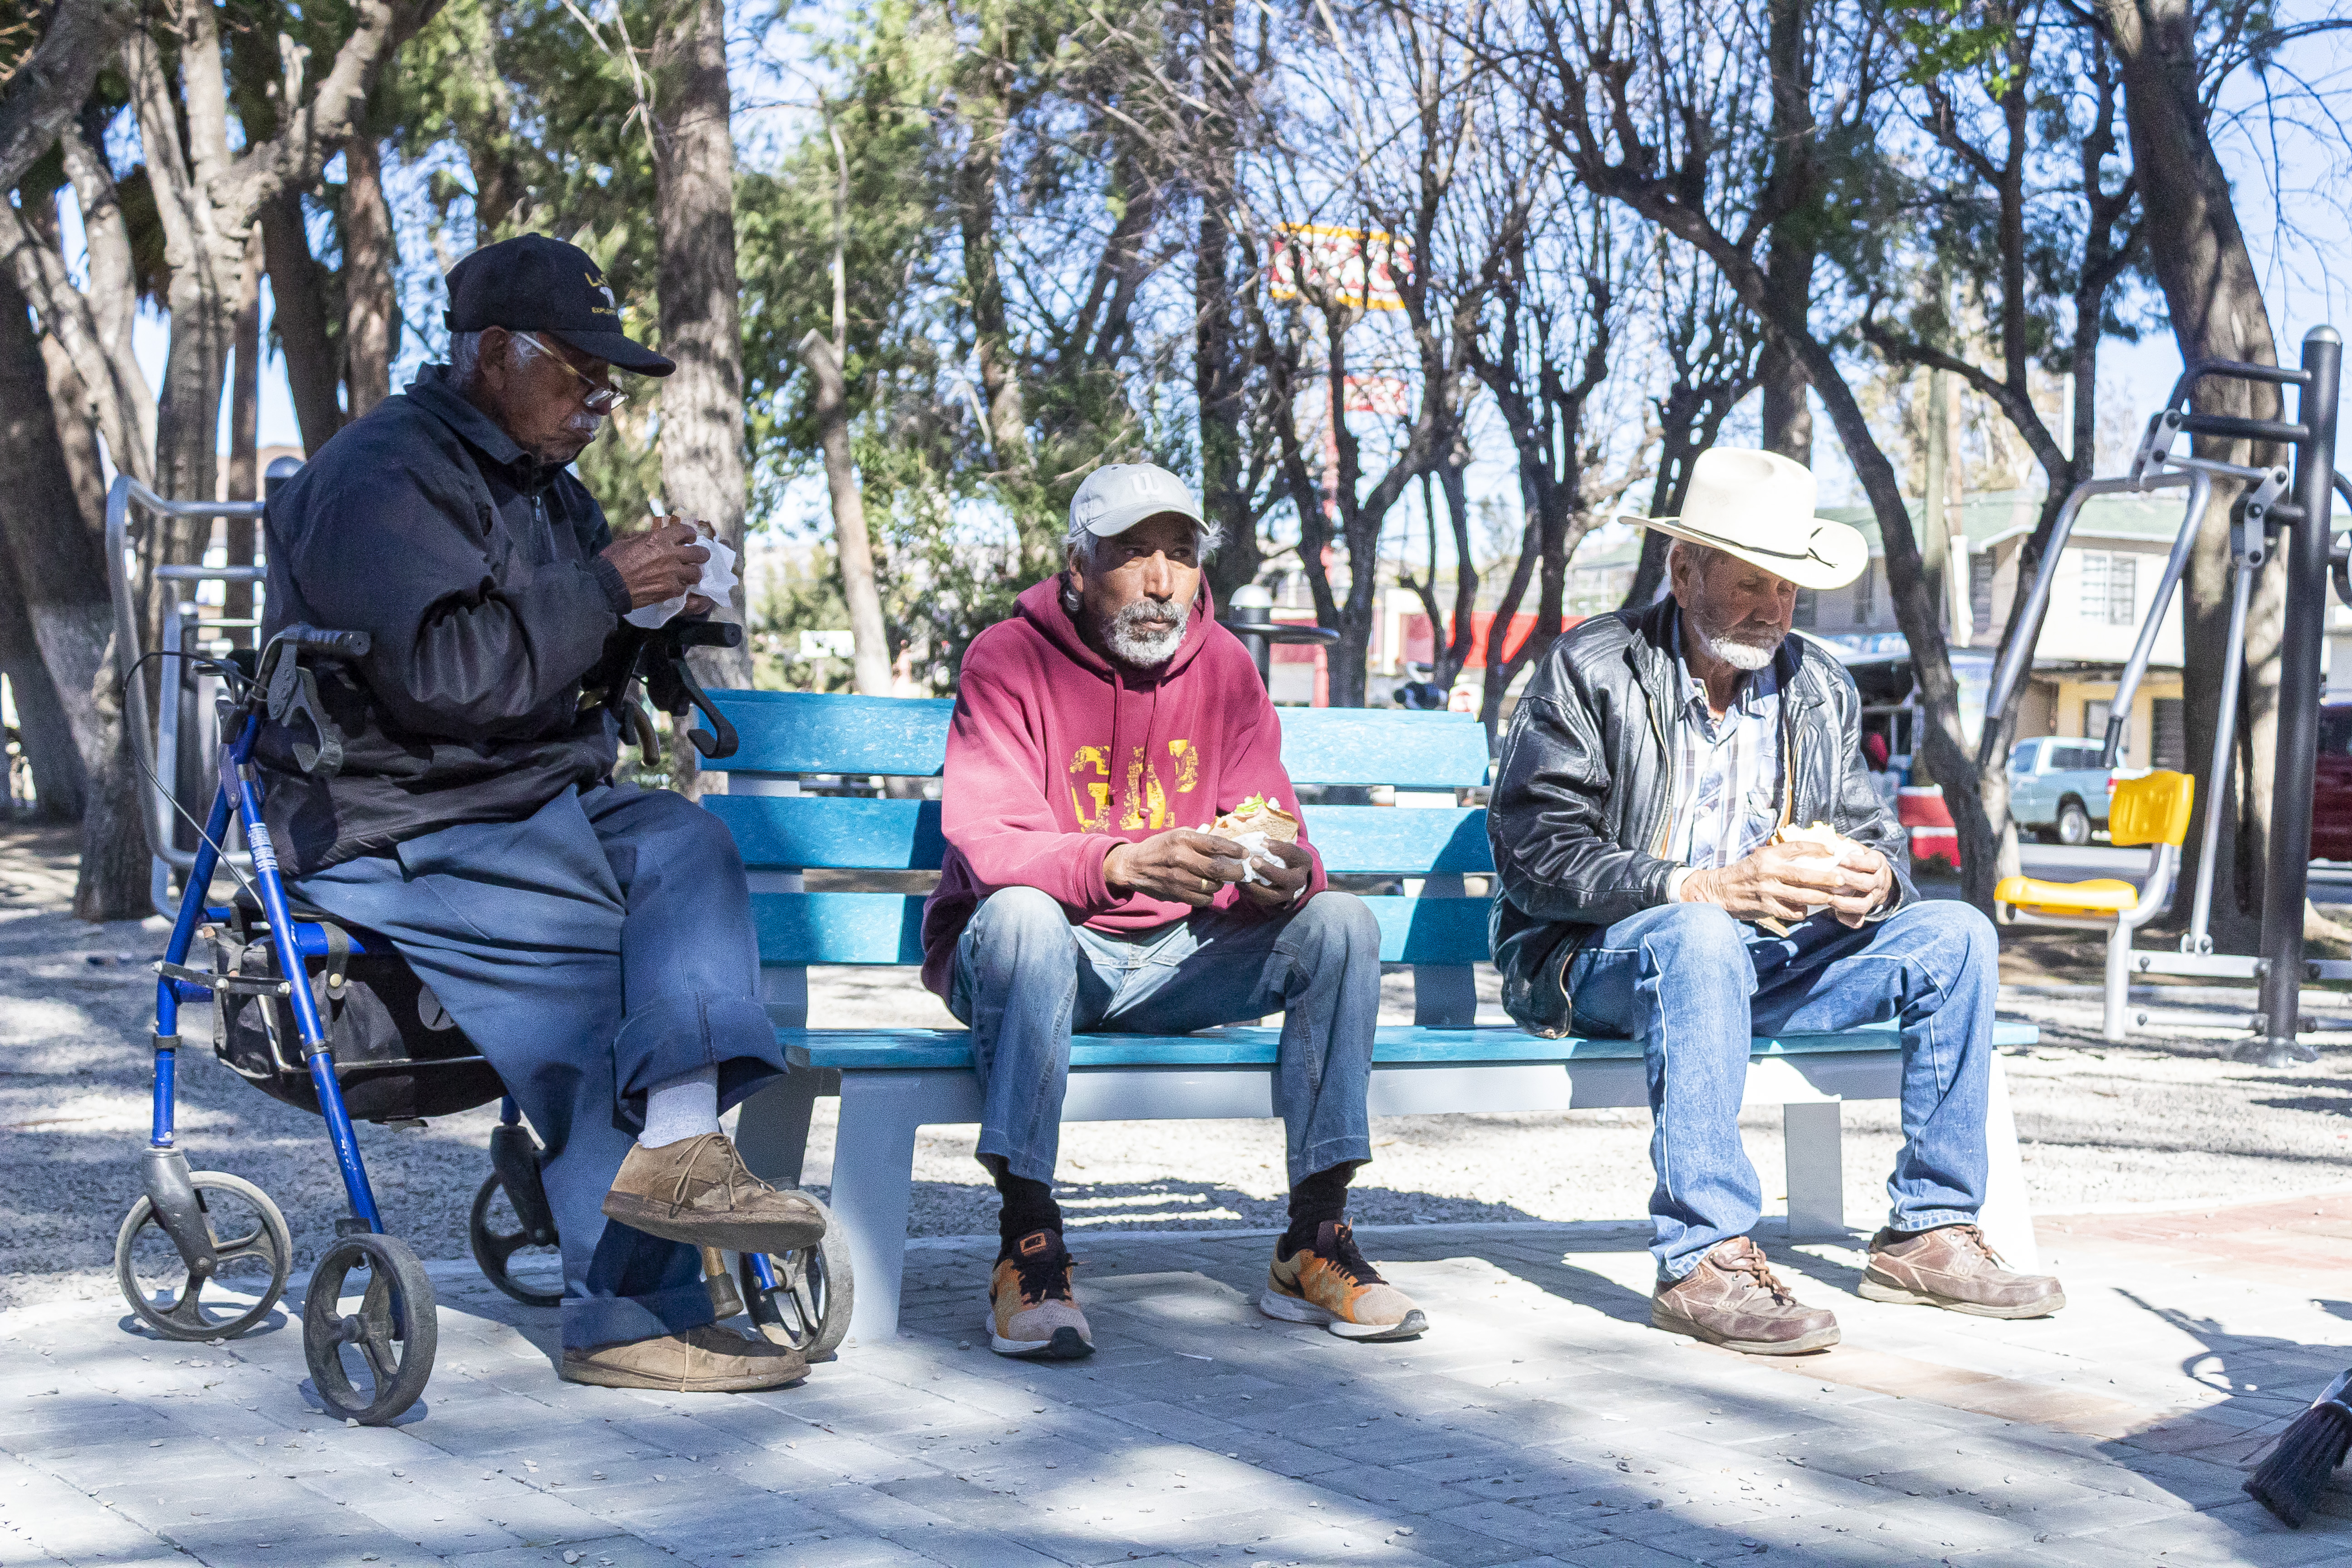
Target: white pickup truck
[2058, 791]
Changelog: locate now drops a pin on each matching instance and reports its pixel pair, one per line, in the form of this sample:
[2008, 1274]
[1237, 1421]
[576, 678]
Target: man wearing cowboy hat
[1641, 787]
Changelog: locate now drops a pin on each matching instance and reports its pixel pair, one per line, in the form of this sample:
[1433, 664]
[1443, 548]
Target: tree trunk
[244, 433]
[60, 781]
[298, 315]
[59, 571]
[2213, 296]
[1789, 258]
[976, 197]
[371, 313]
[702, 402]
[869, 641]
[1220, 361]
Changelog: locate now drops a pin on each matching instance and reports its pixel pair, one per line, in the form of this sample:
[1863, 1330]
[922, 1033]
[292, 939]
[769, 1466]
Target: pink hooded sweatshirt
[1056, 755]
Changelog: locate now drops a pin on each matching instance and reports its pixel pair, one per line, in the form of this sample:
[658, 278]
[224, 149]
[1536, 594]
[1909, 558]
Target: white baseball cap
[1118, 496]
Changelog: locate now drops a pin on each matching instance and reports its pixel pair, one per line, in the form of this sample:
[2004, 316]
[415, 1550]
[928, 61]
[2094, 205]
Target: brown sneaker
[698, 1192]
[1030, 1311]
[1331, 1283]
[707, 1360]
[1733, 1300]
[1952, 1267]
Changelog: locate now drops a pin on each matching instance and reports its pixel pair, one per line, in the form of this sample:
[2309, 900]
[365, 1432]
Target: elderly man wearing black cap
[594, 941]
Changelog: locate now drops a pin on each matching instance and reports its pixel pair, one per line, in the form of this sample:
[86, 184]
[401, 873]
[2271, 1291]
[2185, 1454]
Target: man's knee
[1334, 925]
[690, 838]
[1017, 912]
[1698, 933]
[1958, 928]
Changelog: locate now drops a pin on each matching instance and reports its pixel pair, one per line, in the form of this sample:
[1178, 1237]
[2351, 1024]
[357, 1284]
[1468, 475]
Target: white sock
[683, 1108]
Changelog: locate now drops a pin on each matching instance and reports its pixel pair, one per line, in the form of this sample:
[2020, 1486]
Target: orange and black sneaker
[1030, 1311]
[1330, 1283]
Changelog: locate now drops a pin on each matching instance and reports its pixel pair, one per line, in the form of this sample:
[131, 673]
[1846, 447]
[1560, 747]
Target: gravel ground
[2164, 1121]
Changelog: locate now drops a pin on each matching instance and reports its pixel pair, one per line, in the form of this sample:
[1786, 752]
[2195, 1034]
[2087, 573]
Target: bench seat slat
[886, 928]
[1394, 1045]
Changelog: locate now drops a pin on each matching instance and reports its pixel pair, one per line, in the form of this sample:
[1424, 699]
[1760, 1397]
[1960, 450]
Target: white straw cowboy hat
[1759, 506]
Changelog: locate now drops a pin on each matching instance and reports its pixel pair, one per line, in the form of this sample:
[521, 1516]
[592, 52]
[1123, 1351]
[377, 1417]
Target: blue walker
[205, 1254]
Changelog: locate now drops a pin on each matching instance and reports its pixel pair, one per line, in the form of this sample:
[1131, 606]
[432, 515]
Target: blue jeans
[594, 948]
[1693, 985]
[1025, 977]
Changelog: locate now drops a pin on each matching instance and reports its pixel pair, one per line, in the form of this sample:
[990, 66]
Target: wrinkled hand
[1275, 888]
[1861, 861]
[660, 563]
[1787, 882]
[1183, 865]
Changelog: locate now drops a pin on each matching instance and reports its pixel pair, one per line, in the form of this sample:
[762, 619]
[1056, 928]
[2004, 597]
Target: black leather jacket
[1584, 789]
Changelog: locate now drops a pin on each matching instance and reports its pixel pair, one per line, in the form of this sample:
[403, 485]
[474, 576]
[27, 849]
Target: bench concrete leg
[2007, 1218]
[772, 1130]
[1812, 1136]
[873, 1179]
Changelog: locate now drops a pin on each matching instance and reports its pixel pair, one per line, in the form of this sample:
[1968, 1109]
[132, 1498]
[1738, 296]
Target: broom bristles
[2289, 1481]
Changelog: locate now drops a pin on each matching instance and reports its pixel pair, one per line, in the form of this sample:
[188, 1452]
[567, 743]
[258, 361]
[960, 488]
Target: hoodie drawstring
[1116, 761]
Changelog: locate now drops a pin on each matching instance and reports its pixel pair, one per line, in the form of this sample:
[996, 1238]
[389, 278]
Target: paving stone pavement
[1540, 1422]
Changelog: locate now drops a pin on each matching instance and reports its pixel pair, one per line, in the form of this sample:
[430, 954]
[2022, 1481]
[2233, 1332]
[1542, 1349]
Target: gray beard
[1716, 643]
[1138, 636]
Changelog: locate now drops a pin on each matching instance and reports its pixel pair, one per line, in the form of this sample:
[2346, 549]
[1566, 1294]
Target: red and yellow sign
[1361, 268]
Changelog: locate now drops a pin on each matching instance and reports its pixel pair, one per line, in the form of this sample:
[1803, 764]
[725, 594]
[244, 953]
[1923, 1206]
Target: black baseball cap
[535, 284]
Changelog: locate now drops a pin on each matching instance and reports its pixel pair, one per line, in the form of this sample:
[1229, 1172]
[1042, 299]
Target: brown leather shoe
[1733, 1300]
[707, 1360]
[1953, 1267]
[698, 1191]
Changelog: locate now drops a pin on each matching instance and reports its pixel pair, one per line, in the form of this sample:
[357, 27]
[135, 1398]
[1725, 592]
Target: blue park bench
[892, 1082]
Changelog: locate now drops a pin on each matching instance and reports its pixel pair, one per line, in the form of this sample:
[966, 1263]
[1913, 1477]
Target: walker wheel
[252, 1252]
[498, 1233]
[369, 1366]
[809, 1308]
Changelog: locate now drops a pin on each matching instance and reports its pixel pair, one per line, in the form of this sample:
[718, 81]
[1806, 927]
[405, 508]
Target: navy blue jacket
[475, 570]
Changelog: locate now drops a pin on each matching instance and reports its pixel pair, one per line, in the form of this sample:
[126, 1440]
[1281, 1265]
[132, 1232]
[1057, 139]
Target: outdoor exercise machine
[2285, 509]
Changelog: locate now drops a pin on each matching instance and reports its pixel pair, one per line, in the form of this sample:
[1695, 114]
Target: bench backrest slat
[828, 832]
[823, 732]
[886, 928]
[818, 732]
[1384, 746]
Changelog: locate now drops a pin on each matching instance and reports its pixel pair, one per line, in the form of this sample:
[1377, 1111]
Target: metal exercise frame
[2293, 500]
[154, 740]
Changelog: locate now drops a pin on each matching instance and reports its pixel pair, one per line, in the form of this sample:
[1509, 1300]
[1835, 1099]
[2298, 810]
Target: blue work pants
[1693, 985]
[596, 948]
[1025, 977]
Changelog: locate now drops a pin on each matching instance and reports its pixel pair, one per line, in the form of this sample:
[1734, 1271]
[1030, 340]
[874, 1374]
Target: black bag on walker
[398, 1055]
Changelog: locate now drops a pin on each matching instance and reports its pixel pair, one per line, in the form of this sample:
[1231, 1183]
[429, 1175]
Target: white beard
[1137, 636]
[1716, 643]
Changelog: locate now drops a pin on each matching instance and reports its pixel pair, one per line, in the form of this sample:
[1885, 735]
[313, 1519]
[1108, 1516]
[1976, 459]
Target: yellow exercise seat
[2151, 810]
[2100, 896]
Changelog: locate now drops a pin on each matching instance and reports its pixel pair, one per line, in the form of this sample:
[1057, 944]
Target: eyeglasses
[596, 399]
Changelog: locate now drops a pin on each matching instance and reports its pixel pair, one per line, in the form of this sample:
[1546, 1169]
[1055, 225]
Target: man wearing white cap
[1644, 818]
[1124, 854]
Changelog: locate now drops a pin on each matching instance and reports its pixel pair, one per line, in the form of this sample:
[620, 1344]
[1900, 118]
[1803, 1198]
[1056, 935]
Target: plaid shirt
[1727, 781]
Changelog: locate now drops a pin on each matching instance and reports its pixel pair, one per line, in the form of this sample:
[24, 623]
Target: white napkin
[1253, 850]
[718, 585]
